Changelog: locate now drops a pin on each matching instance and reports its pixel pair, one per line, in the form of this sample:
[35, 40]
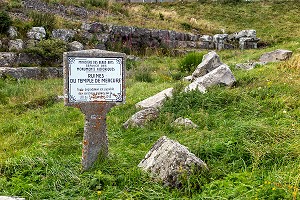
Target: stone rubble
[36, 33]
[168, 160]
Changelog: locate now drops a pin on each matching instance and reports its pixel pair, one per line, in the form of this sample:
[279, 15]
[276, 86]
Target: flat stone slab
[168, 159]
[249, 65]
[275, 56]
[155, 101]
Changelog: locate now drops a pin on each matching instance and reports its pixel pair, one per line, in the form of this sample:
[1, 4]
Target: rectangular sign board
[94, 79]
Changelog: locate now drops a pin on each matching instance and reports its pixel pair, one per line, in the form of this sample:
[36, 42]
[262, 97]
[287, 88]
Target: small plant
[186, 26]
[5, 22]
[190, 62]
[143, 75]
[46, 20]
[97, 3]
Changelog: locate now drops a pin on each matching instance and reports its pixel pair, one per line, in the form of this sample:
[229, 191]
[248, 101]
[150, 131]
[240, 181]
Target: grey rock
[63, 34]
[187, 123]
[246, 33]
[0, 44]
[209, 62]
[17, 44]
[36, 33]
[219, 40]
[11, 198]
[12, 32]
[31, 72]
[248, 43]
[7, 59]
[248, 65]
[275, 56]
[155, 101]
[221, 75]
[75, 46]
[168, 160]
[140, 118]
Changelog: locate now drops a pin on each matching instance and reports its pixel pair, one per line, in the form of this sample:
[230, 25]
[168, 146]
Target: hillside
[248, 134]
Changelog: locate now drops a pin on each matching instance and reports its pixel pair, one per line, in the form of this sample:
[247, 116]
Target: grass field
[249, 135]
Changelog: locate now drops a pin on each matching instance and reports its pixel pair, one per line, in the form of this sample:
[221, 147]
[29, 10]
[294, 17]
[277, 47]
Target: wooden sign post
[94, 81]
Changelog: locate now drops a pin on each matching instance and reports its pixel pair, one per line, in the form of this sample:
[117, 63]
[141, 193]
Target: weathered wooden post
[94, 81]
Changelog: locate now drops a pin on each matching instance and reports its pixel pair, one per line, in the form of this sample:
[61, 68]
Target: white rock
[11, 198]
[12, 32]
[209, 62]
[36, 33]
[157, 100]
[168, 159]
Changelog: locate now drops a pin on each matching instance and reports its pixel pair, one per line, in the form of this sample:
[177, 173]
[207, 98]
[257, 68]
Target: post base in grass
[95, 141]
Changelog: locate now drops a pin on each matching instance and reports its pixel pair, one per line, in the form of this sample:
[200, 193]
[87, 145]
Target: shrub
[46, 20]
[5, 22]
[50, 50]
[190, 61]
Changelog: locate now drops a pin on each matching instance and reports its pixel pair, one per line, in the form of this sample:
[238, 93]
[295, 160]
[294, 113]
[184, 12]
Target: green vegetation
[5, 22]
[249, 135]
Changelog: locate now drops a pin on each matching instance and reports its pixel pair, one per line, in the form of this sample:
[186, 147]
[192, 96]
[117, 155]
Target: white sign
[95, 79]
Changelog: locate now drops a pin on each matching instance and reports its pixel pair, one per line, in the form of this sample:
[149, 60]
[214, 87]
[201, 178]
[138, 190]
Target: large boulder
[140, 118]
[277, 55]
[36, 33]
[63, 34]
[222, 75]
[209, 62]
[155, 101]
[168, 160]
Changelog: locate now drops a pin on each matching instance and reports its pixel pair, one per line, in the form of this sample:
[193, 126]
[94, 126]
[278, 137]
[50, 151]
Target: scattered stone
[31, 72]
[187, 123]
[155, 101]
[140, 118]
[168, 160]
[249, 65]
[11, 198]
[275, 56]
[12, 32]
[75, 46]
[17, 44]
[221, 75]
[209, 62]
[63, 34]
[36, 33]
[132, 58]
